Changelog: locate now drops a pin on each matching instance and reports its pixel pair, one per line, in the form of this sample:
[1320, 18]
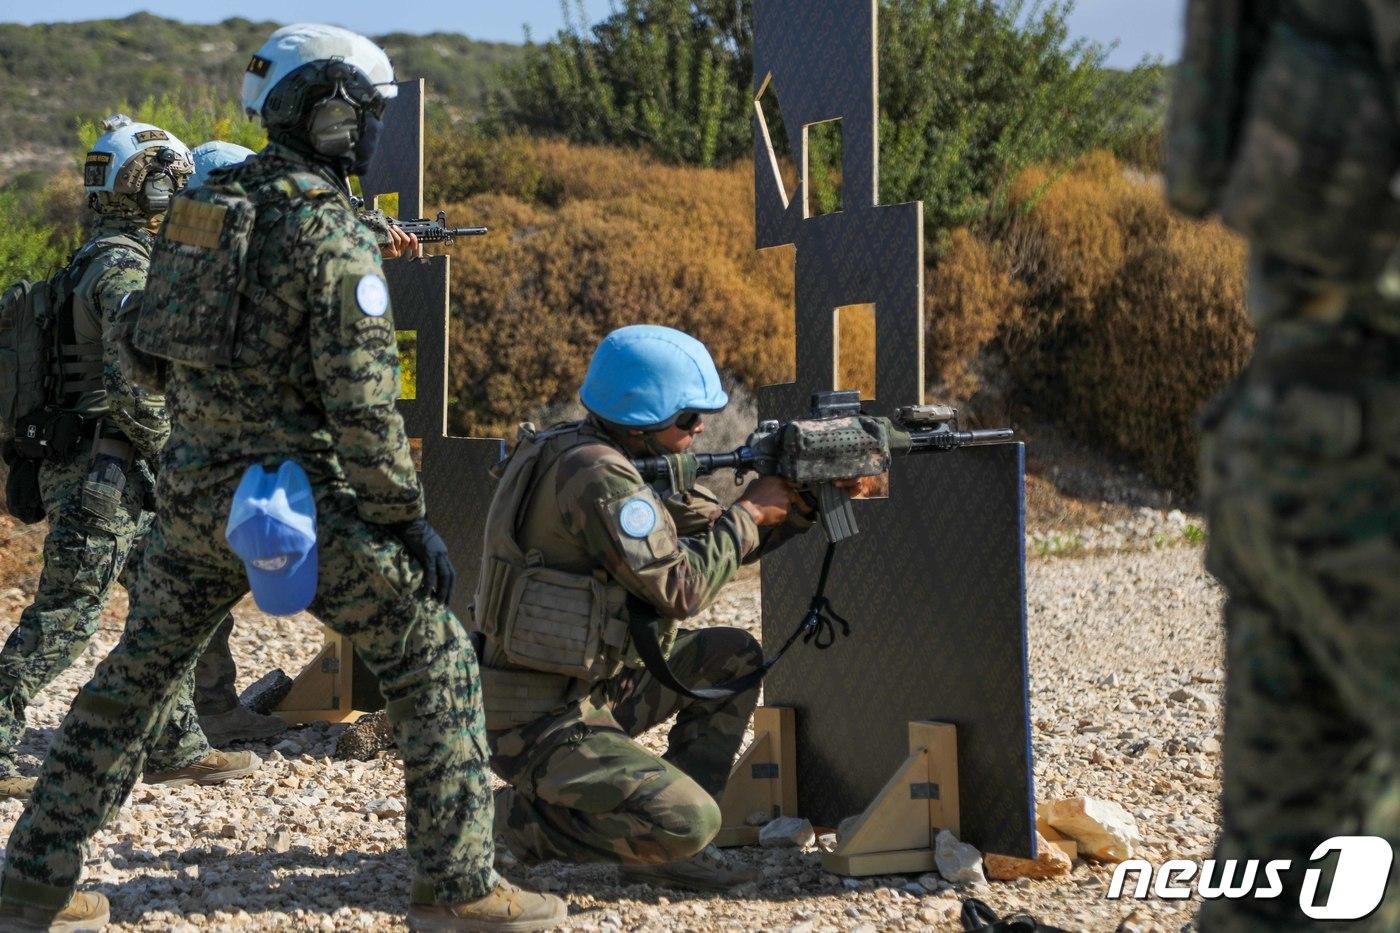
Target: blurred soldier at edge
[1285, 123]
[97, 492]
[576, 545]
[308, 375]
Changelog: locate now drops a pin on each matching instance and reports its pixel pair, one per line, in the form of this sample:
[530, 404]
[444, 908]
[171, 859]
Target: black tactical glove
[428, 549]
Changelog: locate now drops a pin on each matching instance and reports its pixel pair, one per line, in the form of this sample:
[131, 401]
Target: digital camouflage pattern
[215, 674]
[582, 789]
[1300, 484]
[83, 558]
[109, 277]
[326, 401]
[86, 554]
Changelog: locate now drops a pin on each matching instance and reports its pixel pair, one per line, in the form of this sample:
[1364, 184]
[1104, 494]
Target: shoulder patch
[372, 295]
[637, 517]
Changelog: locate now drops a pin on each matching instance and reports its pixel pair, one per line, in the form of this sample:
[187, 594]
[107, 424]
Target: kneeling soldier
[577, 544]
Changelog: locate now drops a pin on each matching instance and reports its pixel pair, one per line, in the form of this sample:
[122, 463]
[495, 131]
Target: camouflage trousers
[84, 556]
[369, 591]
[215, 674]
[583, 790]
[1303, 493]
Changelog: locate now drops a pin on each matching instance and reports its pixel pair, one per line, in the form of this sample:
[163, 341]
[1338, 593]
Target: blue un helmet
[214, 154]
[645, 377]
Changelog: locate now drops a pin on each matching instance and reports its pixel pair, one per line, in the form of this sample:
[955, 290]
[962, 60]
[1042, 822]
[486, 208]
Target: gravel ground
[1125, 662]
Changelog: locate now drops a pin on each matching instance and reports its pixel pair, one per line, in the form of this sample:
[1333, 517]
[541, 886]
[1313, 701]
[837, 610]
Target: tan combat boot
[708, 871]
[85, 911]
[214, 768]
[16, 788]
[239, 724]
[506, 908]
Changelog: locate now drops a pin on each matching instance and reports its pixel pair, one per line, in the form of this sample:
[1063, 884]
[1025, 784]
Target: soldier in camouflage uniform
[576, 544]
[1285, 124]
[309, 374]
[94, 542]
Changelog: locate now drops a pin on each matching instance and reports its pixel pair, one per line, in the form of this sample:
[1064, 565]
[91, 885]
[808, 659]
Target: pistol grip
[834, 509]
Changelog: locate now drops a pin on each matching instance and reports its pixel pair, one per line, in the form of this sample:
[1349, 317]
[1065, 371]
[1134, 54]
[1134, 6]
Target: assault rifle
[835, 441]
[427, 231]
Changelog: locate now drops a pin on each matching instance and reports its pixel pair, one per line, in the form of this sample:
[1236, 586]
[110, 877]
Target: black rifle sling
[818, 626]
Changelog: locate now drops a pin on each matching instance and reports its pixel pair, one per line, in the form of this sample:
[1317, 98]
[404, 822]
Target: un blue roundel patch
[638, 518]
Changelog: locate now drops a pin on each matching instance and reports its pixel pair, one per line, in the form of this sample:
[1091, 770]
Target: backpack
[26, 349]
[200, 291]
[35, 323]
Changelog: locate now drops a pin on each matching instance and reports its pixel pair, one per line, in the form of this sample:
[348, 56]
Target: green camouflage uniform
[321, 391]
[582, 788]
[1293, 137]
[84, 553]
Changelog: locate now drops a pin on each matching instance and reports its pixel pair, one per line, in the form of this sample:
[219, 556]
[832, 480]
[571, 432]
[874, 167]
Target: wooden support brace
[324, 688]
[895, 833]
[764, 780]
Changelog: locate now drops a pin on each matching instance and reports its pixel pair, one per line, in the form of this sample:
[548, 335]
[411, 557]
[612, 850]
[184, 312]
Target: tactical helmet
[135, 168]
[322, 88]
[215, 154]
[646, 377]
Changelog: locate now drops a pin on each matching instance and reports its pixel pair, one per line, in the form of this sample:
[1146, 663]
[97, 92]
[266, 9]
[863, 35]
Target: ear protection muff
[328, 101]
[162, 182]
[333, 127]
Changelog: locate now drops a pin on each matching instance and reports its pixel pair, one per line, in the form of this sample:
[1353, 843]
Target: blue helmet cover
[211, 155]
[645, 376]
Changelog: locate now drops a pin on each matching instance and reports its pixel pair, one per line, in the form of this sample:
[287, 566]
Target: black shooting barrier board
[934, 590]
[934, 586]
[457, 485]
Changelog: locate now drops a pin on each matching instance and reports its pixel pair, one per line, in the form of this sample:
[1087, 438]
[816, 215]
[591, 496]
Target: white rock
[384, 807]
[958, 862]
[787, 832]
[1104, 830]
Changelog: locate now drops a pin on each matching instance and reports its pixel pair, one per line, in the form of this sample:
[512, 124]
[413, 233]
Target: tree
[972, 91]
[670, 75]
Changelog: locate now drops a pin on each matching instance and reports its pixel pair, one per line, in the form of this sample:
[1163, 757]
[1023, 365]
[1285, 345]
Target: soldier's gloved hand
[428, 549]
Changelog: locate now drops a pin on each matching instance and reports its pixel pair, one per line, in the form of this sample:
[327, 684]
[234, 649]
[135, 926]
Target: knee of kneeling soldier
[685, 820]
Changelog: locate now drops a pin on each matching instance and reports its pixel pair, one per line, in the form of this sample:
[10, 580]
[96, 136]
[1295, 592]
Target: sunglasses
[689, 420]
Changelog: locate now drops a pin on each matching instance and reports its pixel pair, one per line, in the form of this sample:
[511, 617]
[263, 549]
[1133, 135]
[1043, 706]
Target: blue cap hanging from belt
[272, 528]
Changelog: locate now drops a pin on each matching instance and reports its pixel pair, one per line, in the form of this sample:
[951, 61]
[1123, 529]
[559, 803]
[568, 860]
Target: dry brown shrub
[1108, 312]
[1137, 315]
[971, 297]
[628, 242]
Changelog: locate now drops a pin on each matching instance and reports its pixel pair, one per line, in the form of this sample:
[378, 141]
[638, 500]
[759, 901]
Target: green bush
[670, 75]
[29, 247]
[193, 118]
[972, 92]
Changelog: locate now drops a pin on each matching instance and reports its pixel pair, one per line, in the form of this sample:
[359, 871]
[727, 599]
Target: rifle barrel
[653, 468]
[948, 440]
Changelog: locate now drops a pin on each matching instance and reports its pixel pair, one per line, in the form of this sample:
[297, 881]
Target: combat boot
[85, 911]
[214, 768]
[709, 871]
[505, 908]
[239, 724]
[16, 787]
